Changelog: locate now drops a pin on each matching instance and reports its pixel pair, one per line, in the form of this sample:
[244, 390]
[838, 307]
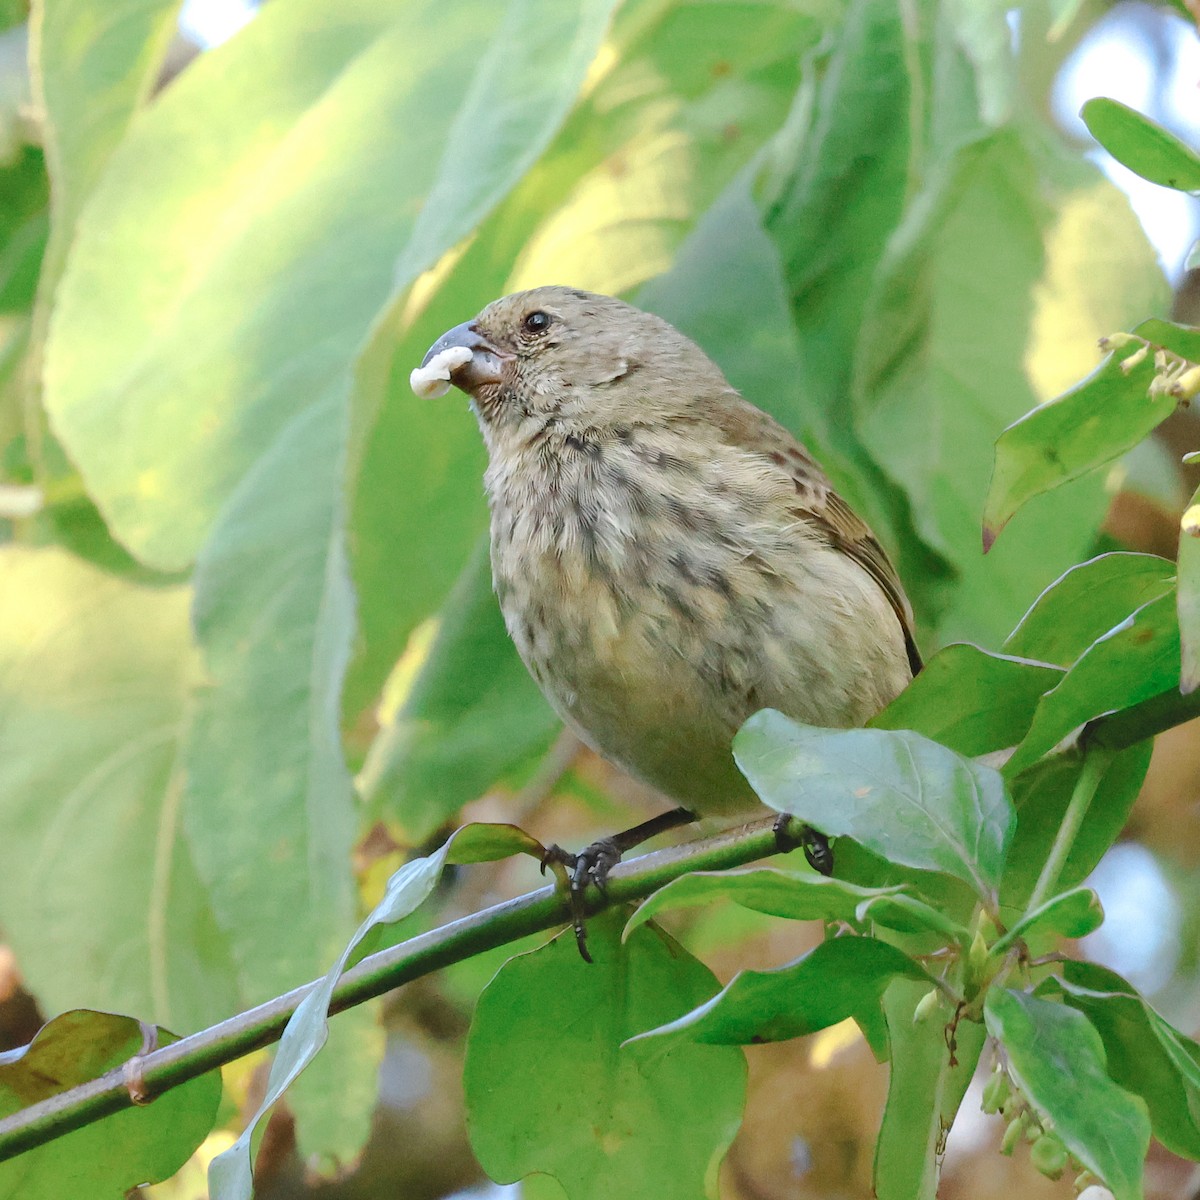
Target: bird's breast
[658, 602]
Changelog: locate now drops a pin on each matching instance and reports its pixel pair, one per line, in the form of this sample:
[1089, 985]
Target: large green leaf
[1084, 428]
[317, 197]
[605, 1118]
[1057, 1059]
[1142, 145]
[832, 186]
[471, 713]
[99, 897]
[942, 369]
[1145, 1054]
[900, 795]
[92, 67]
[1085, 603]
[691, 94]
[843, 977]
[265, 778]
[1132, 662]
[977, 220]
[970, 700]
[265, 727]
[111, 1157]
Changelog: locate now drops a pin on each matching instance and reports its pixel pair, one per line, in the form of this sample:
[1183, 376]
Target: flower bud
[1049, 1155]
[995, 1092]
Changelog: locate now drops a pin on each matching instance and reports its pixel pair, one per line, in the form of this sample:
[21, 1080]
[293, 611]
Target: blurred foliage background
[249, 657]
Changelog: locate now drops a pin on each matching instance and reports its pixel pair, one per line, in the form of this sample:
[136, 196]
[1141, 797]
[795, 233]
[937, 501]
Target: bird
[668, 558]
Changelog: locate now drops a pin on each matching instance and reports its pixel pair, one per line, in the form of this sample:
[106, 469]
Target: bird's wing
[821, 508]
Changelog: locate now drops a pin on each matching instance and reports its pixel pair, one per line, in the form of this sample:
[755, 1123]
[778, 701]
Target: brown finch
[668, 558]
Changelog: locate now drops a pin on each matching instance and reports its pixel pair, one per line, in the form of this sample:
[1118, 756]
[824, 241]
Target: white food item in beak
[433, 379]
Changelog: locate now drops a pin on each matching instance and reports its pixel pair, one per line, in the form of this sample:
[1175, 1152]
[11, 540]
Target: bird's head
[572, 358]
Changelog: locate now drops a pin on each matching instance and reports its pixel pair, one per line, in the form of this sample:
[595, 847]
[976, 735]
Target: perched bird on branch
[668, 558]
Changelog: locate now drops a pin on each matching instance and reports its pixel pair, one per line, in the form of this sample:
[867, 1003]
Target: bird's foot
[591, 865]
[791, 834]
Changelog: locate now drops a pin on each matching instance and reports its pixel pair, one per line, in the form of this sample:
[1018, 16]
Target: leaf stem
[1096, 759]
[211, 1048]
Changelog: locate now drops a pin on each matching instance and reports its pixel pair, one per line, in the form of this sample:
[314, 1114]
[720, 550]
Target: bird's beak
[485, 365]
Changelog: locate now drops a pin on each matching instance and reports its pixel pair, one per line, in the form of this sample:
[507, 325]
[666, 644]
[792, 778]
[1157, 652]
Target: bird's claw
[591, 865]
[790, 834]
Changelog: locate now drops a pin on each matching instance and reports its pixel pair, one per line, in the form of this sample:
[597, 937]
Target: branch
[201, 1052]
[1128, 726]
[498, 925]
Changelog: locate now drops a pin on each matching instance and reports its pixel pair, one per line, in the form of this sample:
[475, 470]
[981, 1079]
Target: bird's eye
[536, 321]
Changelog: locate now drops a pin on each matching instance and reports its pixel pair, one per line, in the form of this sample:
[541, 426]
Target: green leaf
[898, 794]
[1137, 659]
[1085, 603]
[794, 895]
[1057, 1059]
[941, 369]
[111, 1157]
[274, 616]
[1145, 1054]
[471, 713]
[92, 68]
[971, 700]
[1188, 598]
[907, 914]
[1180, 340]
[745, 326]
[230, 1175]
[691, 96]
[300, 117]
[832, 185]
[1084, 428]
[983, 32]
[275, 631]
[1142, 145]
[607, 1118]
[926, 1084]
[438, 514]
[1041, 795]
[1072, 914]
[24, 199]
[100, 897]
[843, 977]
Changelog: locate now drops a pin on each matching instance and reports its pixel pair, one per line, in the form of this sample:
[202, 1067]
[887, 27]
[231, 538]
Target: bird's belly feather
[656, 650]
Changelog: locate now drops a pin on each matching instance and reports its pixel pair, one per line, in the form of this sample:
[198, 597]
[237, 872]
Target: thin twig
[498, 925]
